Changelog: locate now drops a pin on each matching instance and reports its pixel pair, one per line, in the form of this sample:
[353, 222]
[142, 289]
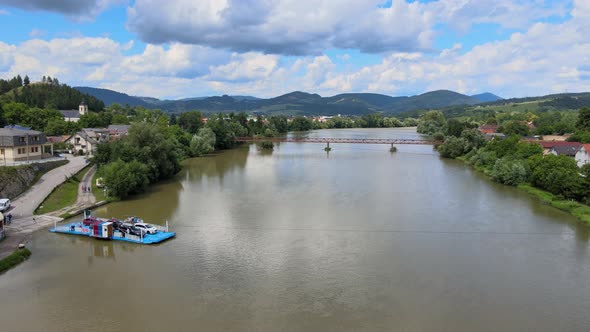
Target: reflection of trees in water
[155, 206]
[217, 165]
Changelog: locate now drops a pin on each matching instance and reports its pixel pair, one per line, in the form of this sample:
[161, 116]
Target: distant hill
[486, 97]
[52, 96]
[110, 97]
[295, 103]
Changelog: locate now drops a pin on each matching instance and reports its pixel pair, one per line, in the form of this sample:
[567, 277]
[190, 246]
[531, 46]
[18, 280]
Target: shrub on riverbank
[17, 257]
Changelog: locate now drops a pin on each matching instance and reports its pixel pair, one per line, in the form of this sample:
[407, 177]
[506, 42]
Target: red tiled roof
[550, 144]
[587, 147]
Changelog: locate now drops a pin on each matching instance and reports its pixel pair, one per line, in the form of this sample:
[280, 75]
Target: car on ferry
[147, 228]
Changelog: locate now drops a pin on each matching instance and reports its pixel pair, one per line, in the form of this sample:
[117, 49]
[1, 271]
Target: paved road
[25, 204]
[86, 197]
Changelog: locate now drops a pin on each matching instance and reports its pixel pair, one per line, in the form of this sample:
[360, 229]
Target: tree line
[511, 160]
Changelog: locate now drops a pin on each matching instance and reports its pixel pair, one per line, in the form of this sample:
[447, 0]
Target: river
[296, 239]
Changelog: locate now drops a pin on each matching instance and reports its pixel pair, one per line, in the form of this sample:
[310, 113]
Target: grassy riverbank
[578, 210]
[17, 257]
[63, 195]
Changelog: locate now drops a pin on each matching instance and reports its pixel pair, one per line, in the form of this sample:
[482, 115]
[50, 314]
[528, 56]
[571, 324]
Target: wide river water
[295, 239]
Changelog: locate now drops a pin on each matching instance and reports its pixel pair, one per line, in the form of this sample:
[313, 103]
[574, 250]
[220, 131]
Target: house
[565, 150]
[88, 139]
[74, 115]
[18, 145]
[488, 129]
[548, 146]
[118, 131]
[583, 155]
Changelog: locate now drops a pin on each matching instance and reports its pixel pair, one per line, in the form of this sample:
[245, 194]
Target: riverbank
[576, 209]
[17, 257]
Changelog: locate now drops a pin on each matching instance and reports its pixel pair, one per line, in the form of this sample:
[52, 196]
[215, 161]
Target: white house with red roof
[583, 155]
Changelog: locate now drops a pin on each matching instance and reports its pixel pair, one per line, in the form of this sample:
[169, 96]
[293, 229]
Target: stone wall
[14, 180]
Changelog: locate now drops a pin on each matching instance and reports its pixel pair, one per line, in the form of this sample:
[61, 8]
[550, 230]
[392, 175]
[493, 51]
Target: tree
[514, 128]
[125, 178]
[191, 121]
[300, 123]
[203, 142]
[27, 81]
[432, 122]
[173, 119]
[454, 147]
[509, 171]
[559, 175]
[583, 122]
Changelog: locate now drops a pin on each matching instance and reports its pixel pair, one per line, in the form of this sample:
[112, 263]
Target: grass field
[64, 195]
[578, 210]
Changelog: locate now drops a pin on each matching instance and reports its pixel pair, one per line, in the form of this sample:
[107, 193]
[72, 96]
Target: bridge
[327, 140]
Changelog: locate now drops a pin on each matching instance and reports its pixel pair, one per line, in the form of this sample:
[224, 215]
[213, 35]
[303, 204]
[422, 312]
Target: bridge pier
[328, 148]
[393, 148]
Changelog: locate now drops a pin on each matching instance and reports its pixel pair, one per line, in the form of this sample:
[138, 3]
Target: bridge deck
[337, 140]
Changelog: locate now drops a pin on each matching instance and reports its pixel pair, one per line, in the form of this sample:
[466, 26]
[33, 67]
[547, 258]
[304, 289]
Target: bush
[454, 147]
[125, 178]
[14, 259]
[483, 157]
[510, 172]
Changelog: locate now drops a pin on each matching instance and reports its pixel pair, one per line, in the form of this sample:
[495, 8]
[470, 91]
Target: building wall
[582, 157]
[19, 153]
[71, 119]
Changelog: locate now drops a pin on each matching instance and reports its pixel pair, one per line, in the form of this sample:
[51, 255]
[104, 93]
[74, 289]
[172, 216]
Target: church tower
[83, 108]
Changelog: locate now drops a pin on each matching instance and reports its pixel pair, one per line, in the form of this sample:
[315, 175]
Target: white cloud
[284, 26]
[543, 58]
[245, 67]
[4, 12]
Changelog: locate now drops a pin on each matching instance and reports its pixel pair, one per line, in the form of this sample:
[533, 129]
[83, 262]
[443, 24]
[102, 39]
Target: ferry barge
[131, 229]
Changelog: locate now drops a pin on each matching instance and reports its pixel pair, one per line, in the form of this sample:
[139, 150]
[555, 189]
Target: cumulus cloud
[294, 27]
[543, 58]
[462, 14]
[77, 9]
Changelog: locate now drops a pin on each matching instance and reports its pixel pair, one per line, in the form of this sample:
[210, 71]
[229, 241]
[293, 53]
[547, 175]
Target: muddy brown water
[295, 239]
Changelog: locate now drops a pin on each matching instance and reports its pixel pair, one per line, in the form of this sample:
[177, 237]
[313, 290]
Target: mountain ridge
[294, 103]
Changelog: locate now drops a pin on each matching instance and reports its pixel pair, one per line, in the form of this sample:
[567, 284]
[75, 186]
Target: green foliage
[559, 175]
[277, 123]
[456, 127]
[454, 147]
[514, 128]
[125, 178]
[410, 122]
[191, 121]
[509, 171]
[483, 158]
[580, 136]
[17, 257]
[58, 126]
[267, 145]
[300, 123]
[48, 95]
[583, 122]
[203, 142]
[226, 130]
[432, 122]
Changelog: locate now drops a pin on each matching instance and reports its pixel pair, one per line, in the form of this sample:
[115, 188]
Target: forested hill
[294, 103]
[47, 94]
[110, 97]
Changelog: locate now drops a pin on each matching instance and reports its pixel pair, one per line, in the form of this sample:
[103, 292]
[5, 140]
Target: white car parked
[4, 204]
[147, 228]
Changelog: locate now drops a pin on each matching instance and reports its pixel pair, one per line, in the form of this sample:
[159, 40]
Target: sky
[188, 48]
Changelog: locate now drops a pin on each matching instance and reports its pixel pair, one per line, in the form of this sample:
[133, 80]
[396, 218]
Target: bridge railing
[337, 140]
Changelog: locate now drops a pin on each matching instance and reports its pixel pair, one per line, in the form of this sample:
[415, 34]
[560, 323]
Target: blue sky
[184, 48]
